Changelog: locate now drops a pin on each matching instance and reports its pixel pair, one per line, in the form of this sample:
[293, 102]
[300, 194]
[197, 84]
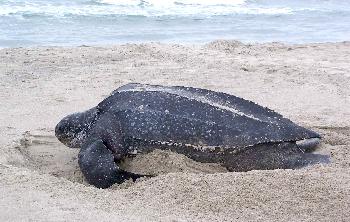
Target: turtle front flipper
[97, 164]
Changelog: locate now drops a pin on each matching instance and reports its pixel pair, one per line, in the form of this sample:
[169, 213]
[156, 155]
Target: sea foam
[136, 7]
[174, 2]
[75, 22]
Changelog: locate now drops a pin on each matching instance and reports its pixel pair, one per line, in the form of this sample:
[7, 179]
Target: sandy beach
[40, 179]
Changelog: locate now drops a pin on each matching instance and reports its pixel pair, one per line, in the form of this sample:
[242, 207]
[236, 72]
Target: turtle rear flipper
[97, 164]
[269, 156]
[307, 159]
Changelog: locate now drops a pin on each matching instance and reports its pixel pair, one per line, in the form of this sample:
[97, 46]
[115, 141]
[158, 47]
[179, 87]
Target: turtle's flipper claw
[97, 164]
[128, 175]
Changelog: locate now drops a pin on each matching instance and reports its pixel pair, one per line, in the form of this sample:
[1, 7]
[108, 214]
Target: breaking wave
[147, 8]
[75, 22]
[170, 3]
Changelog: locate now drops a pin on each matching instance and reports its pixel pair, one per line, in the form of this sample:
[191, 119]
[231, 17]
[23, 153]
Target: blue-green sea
[103, 22]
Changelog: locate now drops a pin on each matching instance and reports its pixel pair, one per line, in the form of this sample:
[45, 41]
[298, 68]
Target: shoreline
[188, 44]
[40, 180]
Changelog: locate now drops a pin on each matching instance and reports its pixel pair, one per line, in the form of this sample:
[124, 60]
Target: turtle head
[73, 129]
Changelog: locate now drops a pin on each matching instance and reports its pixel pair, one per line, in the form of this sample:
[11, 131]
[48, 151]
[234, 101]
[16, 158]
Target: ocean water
[94, 22]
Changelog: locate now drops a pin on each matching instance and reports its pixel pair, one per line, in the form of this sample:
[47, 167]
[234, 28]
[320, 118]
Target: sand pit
[40, 179]
[43, 153]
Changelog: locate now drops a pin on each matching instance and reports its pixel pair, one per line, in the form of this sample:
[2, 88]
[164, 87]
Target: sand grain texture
[40, 179]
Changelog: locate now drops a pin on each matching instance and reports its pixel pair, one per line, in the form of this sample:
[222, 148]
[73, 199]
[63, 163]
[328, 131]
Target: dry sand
[40, 179]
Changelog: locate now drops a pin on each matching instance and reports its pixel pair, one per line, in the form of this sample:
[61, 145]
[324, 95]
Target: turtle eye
[59, 129]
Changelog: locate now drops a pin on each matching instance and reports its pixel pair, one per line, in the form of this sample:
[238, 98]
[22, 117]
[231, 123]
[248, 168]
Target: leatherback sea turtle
[204, 125]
